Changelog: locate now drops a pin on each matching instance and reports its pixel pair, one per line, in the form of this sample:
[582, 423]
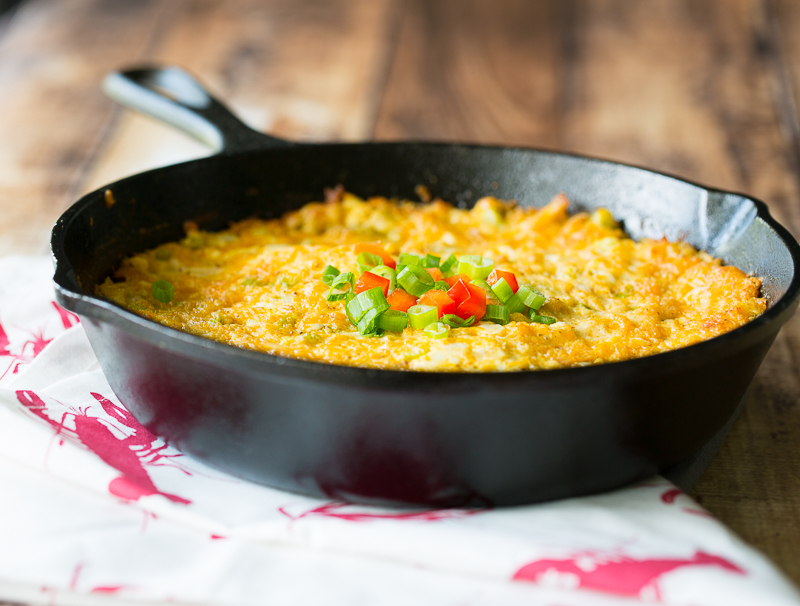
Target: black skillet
[440, 439]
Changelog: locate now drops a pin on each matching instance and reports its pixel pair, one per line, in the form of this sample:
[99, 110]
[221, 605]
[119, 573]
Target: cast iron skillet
[378, 436]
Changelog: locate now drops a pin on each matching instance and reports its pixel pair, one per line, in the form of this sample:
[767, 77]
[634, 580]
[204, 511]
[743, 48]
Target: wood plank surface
[309, 69]
[52, 57]
[484, 72]
[306, 70]
[689, 87]
[753, 484]
[702, 88]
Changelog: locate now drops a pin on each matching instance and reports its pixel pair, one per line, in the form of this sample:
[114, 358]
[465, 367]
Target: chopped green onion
[441, 285]
[386, 272]
[415, 280]
[496, 313]
[484, 285]
[448, 265]
[531, 297]
[431, 261]
[408, 259]
[373, 299]
[419, 316]
[436, 330]
[475, 266]
[354, 311]
[329, 273]
[456, 322]
[366, 325]
[514, 305]
[543, 319]
[392, 319]
[163, 291]
[366, 261]
[365, 258]
[340, 286]
[349, 297]
[502, 289]
[358, 306]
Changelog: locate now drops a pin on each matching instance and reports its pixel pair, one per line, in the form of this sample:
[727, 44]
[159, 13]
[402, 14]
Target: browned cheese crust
[257, 285]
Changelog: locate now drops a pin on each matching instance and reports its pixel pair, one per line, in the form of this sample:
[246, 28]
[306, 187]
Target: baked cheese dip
[430, 287]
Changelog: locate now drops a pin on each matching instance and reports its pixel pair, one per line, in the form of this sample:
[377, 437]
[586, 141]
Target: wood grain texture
[309, 70]
[753, 485]
[52, 58]
[471, 70]
[691, 87]
[782, 45]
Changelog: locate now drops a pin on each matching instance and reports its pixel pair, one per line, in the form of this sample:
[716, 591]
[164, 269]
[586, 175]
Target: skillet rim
[248, 361]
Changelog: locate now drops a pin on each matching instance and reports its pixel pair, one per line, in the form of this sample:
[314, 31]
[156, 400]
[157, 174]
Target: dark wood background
[702, 88]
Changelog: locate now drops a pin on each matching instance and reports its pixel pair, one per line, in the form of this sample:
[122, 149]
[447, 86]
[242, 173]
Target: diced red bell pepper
[439, 299]
[470, 300]
[401, 300]
[369, 280]
[452, 280]
[435, 273]
[377, 249]
[459, 292]
[511, 279]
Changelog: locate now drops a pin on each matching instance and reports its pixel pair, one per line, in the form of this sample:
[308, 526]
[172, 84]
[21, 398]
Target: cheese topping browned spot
[257, 285]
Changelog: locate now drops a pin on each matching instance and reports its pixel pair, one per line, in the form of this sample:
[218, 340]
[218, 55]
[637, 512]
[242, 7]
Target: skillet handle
[172, 96]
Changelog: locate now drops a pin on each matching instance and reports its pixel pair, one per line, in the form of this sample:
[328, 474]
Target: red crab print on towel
[109, 588]
[669, 497]
[4, 343]
[25, 353]
[357, 513]
[617, 574]
[74, 582]
[68, 319]
[128, 455]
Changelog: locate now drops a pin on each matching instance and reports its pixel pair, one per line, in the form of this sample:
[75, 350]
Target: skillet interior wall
[150, 208]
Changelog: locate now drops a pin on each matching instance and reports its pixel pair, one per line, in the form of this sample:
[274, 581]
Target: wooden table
[701, 88]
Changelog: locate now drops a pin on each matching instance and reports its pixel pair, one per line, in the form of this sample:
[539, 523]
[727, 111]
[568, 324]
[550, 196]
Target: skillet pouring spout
[391, 437]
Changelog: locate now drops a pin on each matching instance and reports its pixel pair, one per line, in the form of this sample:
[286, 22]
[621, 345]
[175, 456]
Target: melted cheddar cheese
[257, 285]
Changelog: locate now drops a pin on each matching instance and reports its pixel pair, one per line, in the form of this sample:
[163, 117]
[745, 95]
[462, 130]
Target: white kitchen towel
[96, 508]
